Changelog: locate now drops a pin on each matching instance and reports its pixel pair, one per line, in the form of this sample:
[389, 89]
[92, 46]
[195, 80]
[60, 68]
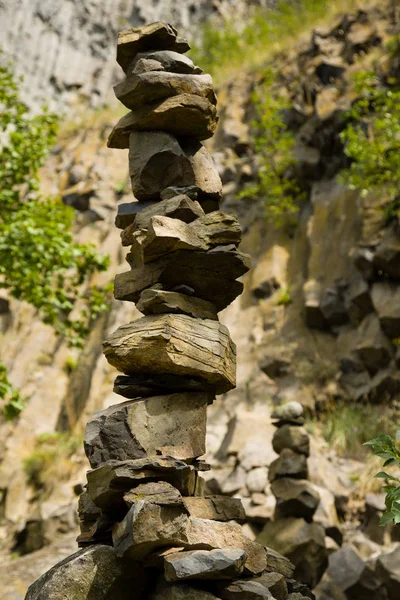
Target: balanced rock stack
[293, 531]
[148, 528]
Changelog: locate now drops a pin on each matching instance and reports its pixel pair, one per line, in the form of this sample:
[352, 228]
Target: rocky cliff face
[306, 350]
[65, 49]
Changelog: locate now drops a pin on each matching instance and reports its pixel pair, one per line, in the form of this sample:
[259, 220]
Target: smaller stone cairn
[297, 500]
[149, 530]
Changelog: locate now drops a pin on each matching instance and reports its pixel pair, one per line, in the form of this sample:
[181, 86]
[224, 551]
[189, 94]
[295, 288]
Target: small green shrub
[318, 370]
[372, 141]
[385, 447]
[273, 145]
[12, 402]
[283, 297]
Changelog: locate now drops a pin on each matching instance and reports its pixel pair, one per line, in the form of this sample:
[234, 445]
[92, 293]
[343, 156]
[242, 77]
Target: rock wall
[65, 49]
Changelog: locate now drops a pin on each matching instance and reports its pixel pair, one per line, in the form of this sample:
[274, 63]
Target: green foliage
[273, 144]
[39, 261]
[385, 447]
[51, 459]
[12, 402]
[372, 141]
[283, 297]
[262, 33]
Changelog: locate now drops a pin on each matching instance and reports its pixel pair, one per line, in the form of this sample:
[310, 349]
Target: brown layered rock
[154, 302]
[225, 563]
[177, 344]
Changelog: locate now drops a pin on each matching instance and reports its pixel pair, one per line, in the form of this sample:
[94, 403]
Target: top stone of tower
[156, 36]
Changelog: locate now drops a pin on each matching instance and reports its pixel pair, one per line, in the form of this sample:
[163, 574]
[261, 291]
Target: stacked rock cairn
[148, 528]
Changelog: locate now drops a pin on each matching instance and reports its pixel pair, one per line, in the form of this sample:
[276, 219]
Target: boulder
[386, 300]
[295, 498]
[225, 563]
[207, 534]
[373, 348]
[154, 302]
[184, 115]
[179, 207]
[388, 571]
[212, 275]
[156, 36]
[215, 508]
[138, 90]
[303, 543]
[177, 344]
[141, 385]
[289, 464]
[108, 483]
[171, 425]
[163, 60]
[353, 576]
[292, 437]
[93, 572]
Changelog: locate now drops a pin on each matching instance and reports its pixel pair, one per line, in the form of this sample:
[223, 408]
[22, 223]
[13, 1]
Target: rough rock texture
[154, 301]
[200, 564]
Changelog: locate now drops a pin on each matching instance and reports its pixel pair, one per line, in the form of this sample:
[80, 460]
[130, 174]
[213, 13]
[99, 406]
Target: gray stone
[225, 563]
[177, 344]
[358, 300]
[387, 255]
[185, 115]
[244, 590]
[108, 483]
[373, 348]
[156, 492]
[138, 90]
[93, 572]
[257, 479]
[388, 571]
[275, 583]
[295, 498]
[156, 36]
[141, 385]
[292, 437]
[353, 576]
[127, 212]
[312, 291]
[215, 508]
[287, 412]
[153, 302]
[181, 592]
[212, 275]
[386, 300]
[163, 60]
[274, 366]
[303, 543]
[333, 307]
[170, 425]
[289, 464]
[279, 563]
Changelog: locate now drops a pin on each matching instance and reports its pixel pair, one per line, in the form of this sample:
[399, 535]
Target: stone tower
[149, 529]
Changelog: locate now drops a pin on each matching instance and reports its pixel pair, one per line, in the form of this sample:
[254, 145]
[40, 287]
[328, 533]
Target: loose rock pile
[292, 531]
[148, 527]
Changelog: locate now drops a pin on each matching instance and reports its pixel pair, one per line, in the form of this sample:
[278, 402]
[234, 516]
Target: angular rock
[289, 464]
[141, 385]
[386, 301]
[388, 571]
[312, 291]
[303, 543]
[353, 576]
[373, 348]
[127, 212]
[166, 234]
[154, 302]
[149, 526]
[244, 590]
[333, 307]
[211, 275]
[138, 90]
[184, 115]
[87, 509]
[181, 592]
[171, 425]
[225, 563]
[358, 300]
[292, 437]
[156, 492]
[108, 483]
[215, 508]
[274, 366]
[206, 176]
[387, 255]
[207, 534]
[179, 207]
[94, 572]
[163, 60]
[275, 583]
[177, 344]
[279, 563]
[156, 36]
[295, 498]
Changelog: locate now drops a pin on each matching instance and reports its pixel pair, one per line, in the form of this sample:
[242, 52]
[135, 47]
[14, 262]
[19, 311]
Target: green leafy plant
[283, 297]
[372, 141]
[273, 144]
[13, 403]
[40, 263]
[385, 447]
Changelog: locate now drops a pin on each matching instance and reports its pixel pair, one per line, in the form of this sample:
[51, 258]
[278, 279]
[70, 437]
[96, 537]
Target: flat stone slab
[170, 425]
[177, 344]
[154, 302]
[163, 60]
[225, 563]
[215, 508]
[142, 385]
